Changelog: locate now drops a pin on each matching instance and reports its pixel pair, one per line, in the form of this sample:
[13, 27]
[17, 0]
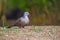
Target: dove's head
[26, 13]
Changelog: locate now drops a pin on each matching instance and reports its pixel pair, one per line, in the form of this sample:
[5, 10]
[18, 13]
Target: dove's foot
[21, 26]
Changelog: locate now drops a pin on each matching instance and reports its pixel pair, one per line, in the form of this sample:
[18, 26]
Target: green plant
[36, 29]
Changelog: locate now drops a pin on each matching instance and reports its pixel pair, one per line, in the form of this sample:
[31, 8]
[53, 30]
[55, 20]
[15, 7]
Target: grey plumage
[22, 21]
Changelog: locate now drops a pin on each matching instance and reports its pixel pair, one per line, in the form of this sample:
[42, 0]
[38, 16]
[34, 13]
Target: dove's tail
[15, 24]
[11, 26]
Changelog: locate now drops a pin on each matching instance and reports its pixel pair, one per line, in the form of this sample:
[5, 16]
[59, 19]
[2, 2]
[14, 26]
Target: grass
[51, 31]
[36, 29]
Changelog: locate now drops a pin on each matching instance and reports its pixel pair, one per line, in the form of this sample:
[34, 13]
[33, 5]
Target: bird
[22, 21]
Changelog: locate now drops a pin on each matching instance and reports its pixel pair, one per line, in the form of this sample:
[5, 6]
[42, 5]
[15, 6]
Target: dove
[22, 21]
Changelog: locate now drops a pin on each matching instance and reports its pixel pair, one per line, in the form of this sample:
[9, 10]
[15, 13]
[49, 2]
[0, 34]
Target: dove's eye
[26, 13]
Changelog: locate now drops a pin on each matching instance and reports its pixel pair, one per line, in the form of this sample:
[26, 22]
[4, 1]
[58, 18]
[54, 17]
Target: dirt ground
[31, 33]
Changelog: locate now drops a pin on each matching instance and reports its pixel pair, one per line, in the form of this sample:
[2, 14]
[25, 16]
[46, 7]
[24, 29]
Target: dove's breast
[24, 20]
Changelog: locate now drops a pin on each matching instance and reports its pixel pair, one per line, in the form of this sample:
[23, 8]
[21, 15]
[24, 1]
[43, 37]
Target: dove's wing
[17, 22]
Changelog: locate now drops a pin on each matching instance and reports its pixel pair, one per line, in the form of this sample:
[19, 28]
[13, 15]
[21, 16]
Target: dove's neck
[25, 16]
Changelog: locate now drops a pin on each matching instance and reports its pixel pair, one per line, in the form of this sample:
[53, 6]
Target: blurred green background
[43, 12]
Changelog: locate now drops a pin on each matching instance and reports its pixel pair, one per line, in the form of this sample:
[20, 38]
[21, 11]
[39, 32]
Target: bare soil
[31, 33]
